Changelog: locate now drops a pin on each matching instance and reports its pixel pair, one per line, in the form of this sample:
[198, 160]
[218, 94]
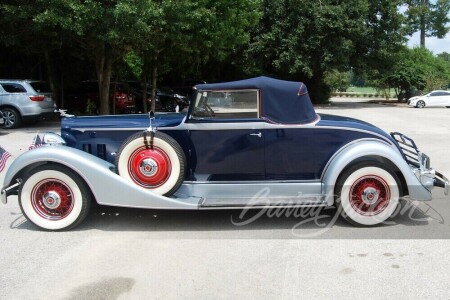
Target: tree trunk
[144, 86]
[154, 80]
[423, 12]
[51, 77]
[103, 63]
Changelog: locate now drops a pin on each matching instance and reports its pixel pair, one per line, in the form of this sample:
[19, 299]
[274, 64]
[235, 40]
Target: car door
[446, 100]
[434, 99]
[227, 136]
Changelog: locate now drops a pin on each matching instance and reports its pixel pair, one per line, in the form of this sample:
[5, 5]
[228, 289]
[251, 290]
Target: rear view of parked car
[166, 99]
[83, 98]
[25, 100]
[434, 98]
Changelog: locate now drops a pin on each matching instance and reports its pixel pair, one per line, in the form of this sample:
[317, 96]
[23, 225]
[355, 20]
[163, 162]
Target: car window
[13, 88]
[41, 87]
[237, 104]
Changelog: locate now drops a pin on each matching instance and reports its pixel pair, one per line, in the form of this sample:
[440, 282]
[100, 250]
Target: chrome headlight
[53, 139]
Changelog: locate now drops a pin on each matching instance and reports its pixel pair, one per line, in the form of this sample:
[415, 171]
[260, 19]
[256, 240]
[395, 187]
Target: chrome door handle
[259, 134]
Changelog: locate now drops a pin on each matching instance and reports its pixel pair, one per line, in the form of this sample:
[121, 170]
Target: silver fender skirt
[371, 148]
[107, 187]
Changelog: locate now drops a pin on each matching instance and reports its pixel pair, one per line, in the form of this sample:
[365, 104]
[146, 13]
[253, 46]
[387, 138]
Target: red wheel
[156, 165]
[54, 198]
[149, 168]
[367, 193]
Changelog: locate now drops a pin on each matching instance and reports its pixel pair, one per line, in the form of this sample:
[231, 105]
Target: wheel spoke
[52, 199]
[369, 195]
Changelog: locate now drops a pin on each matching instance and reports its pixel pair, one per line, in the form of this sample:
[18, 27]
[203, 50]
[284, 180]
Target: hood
[350, 123]
[122, 121]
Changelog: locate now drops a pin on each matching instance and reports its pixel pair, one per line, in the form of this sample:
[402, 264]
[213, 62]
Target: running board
[311, 201]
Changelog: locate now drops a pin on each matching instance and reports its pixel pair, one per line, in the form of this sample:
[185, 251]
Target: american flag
[4, 155]
[37, 142]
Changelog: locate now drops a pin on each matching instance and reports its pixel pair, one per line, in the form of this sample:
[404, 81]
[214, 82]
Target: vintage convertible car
[262, 145]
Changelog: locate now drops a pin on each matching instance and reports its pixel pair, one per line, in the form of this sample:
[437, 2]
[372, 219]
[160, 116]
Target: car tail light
[37, 98]
[120, 95]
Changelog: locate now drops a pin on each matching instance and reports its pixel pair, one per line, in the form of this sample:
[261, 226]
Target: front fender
[107, 187]
[366, 148]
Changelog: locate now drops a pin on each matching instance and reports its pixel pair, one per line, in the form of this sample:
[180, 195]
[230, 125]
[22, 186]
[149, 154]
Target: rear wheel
[12, 118]
[157, 165]
[54, 198]
[367, 193]
[420, 104]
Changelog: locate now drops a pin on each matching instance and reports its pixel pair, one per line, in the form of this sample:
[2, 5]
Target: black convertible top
[283, 102]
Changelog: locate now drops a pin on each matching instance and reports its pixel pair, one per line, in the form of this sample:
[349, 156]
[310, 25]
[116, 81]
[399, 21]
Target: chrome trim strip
[225, 126]
[324, 204]
[253, 182]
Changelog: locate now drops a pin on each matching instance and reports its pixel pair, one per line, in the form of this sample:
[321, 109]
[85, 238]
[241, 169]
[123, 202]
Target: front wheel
[420, 104]
[367, 194]
[54, 198]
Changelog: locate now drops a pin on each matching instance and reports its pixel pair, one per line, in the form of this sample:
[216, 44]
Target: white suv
[25, 100]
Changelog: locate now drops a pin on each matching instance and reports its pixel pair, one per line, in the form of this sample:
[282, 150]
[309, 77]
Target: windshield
[236, 104]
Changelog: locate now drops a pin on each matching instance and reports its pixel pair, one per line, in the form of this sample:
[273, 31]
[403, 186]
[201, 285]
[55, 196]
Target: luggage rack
[409, 148]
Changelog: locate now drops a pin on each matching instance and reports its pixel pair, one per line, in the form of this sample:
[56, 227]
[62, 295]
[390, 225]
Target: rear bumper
[44, 115]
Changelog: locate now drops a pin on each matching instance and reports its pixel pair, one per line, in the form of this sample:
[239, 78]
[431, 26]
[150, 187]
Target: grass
[367, 91]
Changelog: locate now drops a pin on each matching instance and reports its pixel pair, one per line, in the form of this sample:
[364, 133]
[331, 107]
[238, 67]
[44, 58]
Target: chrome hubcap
[9, 118]
[51, 200]
[148, 167]
[370, 196]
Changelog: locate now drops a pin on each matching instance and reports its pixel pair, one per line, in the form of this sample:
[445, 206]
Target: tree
[430, 18]
[302, 41]
[338, 81]
[20, 33]
[104, 30]
[188, 33]
[416, 69]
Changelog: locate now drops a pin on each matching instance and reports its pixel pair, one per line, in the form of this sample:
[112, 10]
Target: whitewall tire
[157, 165]
[54, 198]
[368, 194]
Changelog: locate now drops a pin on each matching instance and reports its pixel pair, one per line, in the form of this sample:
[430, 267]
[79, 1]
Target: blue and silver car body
[276, 152]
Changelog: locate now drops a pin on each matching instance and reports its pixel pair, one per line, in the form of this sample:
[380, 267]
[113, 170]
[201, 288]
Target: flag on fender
[37, 142]
[4, 155]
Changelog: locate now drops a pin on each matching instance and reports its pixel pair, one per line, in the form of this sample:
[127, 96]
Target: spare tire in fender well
[154, 161]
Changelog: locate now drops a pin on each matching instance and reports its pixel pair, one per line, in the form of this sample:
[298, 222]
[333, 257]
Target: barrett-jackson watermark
[321, 217]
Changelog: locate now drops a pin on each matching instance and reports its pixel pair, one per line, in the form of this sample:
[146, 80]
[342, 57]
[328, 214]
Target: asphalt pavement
[120, 253]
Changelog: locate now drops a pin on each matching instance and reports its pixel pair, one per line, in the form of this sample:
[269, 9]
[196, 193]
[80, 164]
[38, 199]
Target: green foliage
[304, 42]
[416, 69]
[338, 81]
[431, 18]
[312, 41]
